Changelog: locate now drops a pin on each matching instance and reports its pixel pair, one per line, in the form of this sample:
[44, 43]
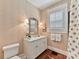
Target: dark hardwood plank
[48, 54]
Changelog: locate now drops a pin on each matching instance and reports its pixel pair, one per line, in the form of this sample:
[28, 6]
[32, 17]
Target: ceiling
[42, 3]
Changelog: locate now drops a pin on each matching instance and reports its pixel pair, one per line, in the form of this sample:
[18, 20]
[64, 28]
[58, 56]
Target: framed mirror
[33, 25]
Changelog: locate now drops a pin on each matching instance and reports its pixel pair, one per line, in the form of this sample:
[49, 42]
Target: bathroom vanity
[34, 46]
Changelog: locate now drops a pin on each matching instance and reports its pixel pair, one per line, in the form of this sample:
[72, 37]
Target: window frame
[55, 18]
[65, 20]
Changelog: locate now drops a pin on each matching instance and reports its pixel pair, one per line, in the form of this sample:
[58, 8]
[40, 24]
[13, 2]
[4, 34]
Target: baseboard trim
[58, 50]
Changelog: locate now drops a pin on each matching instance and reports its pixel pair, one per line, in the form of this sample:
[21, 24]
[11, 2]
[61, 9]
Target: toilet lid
[15, 57]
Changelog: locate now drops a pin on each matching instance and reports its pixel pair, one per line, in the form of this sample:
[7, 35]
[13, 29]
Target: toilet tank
[11, 50]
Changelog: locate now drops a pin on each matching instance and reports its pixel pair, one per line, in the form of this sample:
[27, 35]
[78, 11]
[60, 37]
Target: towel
[56, 37]
[53, 37]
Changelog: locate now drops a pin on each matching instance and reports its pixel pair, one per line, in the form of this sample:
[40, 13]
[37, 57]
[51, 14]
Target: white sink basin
[33, 38]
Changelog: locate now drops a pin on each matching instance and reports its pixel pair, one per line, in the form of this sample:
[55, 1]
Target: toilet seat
[16, 57]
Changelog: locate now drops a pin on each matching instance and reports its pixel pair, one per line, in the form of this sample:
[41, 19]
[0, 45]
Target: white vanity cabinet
[34, 47]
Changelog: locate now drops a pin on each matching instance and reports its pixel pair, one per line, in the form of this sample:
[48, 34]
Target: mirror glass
[33, 25]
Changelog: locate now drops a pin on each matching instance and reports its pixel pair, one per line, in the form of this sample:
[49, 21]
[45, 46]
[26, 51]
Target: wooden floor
[48, 54]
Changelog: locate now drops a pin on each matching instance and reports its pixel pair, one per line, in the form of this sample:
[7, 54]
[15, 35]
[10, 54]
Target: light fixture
[26, 21]
[42, 27]
[40, 24]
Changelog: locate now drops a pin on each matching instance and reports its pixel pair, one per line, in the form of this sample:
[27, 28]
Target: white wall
[12, 16]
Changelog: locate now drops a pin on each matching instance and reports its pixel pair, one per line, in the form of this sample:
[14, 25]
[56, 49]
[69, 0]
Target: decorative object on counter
[28, 35]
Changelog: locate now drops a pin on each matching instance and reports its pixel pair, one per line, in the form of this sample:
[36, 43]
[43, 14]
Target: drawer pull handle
[36, 46]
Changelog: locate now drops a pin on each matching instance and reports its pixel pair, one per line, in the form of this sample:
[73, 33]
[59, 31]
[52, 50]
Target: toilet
[11, 51]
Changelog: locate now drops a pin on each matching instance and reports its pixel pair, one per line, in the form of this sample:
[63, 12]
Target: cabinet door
[44, 41]
[39, 47]
[30, 50]
[42, 46]
[35, 46]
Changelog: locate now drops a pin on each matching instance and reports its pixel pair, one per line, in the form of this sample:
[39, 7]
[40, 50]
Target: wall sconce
[26, 21]
[42, 26]
[26, 24]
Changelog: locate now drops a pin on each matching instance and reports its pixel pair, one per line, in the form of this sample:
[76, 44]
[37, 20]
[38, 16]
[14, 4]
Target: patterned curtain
[73, 43]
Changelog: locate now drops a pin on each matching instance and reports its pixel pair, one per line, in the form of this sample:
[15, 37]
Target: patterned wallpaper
[73, 44]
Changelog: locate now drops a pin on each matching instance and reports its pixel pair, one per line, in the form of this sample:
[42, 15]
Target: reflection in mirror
[33, 26]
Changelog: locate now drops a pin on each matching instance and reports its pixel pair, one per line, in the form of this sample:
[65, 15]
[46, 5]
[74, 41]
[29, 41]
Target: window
[58, 19]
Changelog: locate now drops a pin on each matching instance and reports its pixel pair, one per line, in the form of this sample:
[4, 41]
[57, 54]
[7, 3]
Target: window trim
[62, 19]
[65, 28]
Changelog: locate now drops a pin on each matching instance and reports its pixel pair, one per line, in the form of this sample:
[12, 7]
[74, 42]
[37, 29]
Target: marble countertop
[34, 38]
